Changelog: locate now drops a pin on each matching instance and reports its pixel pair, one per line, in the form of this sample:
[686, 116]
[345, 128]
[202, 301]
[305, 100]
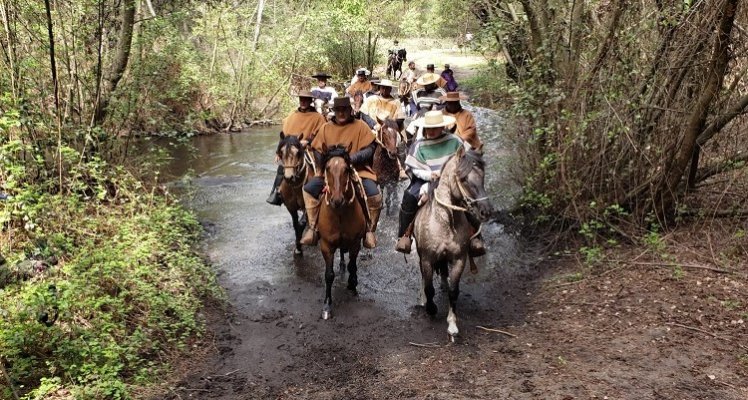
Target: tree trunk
[11, 50]
[120, 60]
[665, 192]
[260, 8]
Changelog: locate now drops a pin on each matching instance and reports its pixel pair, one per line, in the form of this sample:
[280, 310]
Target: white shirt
[318, 93]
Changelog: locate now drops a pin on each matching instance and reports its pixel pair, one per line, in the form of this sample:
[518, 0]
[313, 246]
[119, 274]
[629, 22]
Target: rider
[465, 127]
[374, 91]
[427, 97]
[322, 91]
[449, 77]
[361, 84]
[441, 82]
[386, 106]
[397, 49]
[425, 160]
[344, 130]
[303, 123]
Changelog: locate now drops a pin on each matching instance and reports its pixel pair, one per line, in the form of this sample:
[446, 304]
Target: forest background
[629, 119]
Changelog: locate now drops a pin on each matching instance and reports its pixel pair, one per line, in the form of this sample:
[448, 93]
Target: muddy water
[277, 298]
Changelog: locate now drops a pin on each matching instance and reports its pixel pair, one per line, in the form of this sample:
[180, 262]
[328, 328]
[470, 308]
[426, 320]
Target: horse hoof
[452, 338]
[353, 290]
[326, 315]
[431, 309]
[298, 252]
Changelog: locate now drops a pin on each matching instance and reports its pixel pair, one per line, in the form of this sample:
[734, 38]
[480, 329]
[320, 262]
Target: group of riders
[439, 128]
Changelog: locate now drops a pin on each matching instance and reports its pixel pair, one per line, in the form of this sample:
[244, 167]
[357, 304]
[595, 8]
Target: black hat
[321, 75]
[340, 102]
[429, 66]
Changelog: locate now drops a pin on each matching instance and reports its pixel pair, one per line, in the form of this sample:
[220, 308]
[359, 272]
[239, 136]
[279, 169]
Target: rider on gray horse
[425, 160]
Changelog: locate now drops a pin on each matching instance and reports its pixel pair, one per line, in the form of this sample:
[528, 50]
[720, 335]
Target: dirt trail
[629, 333]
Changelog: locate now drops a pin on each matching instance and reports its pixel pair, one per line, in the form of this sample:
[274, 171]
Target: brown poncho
[355, 133]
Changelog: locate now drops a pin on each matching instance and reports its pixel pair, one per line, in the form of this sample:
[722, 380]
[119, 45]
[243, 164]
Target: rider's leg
[275, 197]
[408, 209]
[374, 203]
[477, 247]
[312, 191]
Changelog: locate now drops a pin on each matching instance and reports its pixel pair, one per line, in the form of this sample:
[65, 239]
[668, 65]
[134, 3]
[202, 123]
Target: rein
[469, 201]
[378, 139]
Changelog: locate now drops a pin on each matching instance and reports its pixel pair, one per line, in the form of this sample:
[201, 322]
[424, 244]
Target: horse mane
[464, 166]
[336, 151]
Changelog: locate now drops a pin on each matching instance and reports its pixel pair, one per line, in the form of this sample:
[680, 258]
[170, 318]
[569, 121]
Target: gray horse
[442, 231]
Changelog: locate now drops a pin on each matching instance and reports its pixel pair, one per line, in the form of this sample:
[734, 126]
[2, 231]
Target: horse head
[358, 100]
[291, 154]
[469, 181]
[338, 170]
[321, 106]
[387, 136]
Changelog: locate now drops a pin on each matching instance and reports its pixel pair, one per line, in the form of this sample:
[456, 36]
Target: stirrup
[274, 198]
[477, 247]
[370, 240]
[310, 237]
[403, 245]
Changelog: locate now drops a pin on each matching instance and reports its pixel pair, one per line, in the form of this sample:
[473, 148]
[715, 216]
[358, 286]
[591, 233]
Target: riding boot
[477, 247]
[310, 236]
[275, 196]
[404, 243]
[374, 203]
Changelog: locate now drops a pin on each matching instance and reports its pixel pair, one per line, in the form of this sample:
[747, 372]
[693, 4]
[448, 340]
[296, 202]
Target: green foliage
[114, 263]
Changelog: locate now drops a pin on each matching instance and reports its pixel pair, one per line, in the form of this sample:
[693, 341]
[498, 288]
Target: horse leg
[342, 261]
[353, 268]
[443, 269]
[454, 292]
[328, 252]
[427, 286]
[298, 230]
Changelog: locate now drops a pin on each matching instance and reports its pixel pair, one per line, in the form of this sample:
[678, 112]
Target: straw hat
[453, 96]
[434, 119]
[386, 82]
[305, 93]
[363, 72]
[427, 79]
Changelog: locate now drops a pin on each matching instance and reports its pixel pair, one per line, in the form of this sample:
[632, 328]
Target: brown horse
[385, 162]
[443, 232]
[341, 222]
[291, 154]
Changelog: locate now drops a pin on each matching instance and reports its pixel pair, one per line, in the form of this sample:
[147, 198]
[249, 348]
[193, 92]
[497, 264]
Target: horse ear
[460, 152]
[282, 135]
[350, 146]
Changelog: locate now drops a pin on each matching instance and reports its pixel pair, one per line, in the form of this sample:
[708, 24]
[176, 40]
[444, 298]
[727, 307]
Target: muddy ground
[658, 326]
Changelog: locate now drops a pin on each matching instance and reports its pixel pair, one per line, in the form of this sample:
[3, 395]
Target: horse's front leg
[328, 253]
[454, 291]
[342, 261]
[353, 268]
[427, 287]
[298, 230]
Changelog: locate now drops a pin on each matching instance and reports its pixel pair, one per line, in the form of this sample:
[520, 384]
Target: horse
[385, 163]
[357, 100]
[341, 222]
[291, 153]
[404, 92]
[322, 107]
[394, 64]
[442, 231]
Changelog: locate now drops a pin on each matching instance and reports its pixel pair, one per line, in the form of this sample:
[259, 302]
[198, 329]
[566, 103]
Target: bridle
[297, 167]
[348, 186]
[466, 198]
[378, 139]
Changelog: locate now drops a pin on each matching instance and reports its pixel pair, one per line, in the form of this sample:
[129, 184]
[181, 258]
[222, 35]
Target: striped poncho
[429, 155]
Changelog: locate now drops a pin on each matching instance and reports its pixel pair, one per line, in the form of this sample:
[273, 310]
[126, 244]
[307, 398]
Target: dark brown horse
[291, 154]
[385, 162]
[341, 223]
[443, 232]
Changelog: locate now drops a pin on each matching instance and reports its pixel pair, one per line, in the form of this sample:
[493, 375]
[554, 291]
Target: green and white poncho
[429, 155]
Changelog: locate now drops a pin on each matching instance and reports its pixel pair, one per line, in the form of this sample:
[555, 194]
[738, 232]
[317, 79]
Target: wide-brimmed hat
[340, 102]
[321, 75]
[304, 93]
[429, 66]
[453, 96]
[386, 82]
[374, 80]
[434, 119]
[427, 78]
[362, 72]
